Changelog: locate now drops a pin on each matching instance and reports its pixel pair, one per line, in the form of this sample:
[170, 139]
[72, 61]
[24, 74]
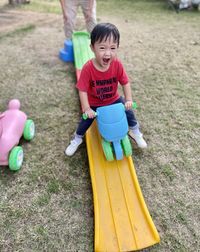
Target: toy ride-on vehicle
[113, 128]
[14, 124]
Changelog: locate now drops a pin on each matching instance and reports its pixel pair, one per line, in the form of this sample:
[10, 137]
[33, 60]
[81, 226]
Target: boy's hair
[103, 31]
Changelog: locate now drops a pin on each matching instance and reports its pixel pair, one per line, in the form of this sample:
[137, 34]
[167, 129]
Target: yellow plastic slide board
[122, 220]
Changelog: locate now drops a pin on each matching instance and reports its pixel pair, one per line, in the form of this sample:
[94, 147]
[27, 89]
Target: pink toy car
[14, 124]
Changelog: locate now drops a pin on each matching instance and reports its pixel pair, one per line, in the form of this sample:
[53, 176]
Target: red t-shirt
[102, 87]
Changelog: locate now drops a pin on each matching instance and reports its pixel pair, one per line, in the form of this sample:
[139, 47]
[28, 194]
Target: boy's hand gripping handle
[85, 116]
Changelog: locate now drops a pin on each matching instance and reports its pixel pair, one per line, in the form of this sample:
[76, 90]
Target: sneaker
[74, 144]
[138, 138]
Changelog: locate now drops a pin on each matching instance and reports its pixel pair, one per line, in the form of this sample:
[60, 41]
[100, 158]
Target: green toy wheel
[126, 145]
[29, 130]
[16, 158]
[107, 149]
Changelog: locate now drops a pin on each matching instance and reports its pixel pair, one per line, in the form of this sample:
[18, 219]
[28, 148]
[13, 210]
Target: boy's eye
[102, 48]
[113, 48]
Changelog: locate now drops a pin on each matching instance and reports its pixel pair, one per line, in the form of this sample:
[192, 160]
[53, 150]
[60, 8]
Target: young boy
[98, 84]
[69, 10]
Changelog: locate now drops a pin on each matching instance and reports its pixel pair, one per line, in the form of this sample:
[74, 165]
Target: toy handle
[85, 116]
[134, 105]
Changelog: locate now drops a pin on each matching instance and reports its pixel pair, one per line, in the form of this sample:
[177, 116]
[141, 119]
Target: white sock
[136, 131]
[78, 138]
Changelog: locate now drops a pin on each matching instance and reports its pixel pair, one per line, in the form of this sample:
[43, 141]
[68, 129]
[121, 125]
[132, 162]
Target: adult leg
[90, 17]
[71, 7]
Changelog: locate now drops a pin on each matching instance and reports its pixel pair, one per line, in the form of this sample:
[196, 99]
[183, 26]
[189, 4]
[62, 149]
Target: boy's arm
[128, 95]
[85, 104]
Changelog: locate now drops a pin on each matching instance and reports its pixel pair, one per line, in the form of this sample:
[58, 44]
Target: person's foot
[138, 138]
[73, 146]
[173, 5]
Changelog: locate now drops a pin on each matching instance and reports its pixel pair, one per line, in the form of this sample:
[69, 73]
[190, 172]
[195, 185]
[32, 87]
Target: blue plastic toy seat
[112, 122]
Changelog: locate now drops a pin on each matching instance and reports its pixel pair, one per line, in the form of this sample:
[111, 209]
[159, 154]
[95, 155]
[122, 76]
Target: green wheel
[29, 130]
[16, 158]
[107, 149]
[126, 145]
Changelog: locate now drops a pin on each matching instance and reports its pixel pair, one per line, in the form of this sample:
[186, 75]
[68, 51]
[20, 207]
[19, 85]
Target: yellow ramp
[122, 220]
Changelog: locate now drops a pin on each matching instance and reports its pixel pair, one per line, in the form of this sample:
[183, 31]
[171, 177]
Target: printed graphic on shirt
[104, 89]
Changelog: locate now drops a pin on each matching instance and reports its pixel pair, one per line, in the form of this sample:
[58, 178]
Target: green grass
[37, 6]
[53, 186]
[43, 200]
[19, 32]
[44, 6]
[168, 172]
[48, 205]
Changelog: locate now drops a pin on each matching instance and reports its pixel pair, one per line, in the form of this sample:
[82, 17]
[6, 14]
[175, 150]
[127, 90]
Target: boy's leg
[132, 122]
[90, 18]
[71, 12]
[78, 136]
[134, 132]
[84, 126]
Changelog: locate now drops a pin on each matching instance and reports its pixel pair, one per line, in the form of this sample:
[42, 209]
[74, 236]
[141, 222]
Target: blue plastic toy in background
[67, 54]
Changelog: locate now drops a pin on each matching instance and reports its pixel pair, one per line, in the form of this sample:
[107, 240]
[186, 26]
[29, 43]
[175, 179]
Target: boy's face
[105, 51]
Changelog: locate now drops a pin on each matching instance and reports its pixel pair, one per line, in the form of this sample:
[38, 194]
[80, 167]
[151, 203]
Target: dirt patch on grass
[12, 19]
[47, 205]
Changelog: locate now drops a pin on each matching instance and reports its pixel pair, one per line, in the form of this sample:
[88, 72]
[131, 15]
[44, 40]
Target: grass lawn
[48, 205]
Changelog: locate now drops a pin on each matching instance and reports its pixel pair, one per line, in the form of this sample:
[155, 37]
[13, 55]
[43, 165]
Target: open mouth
[106, 60]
